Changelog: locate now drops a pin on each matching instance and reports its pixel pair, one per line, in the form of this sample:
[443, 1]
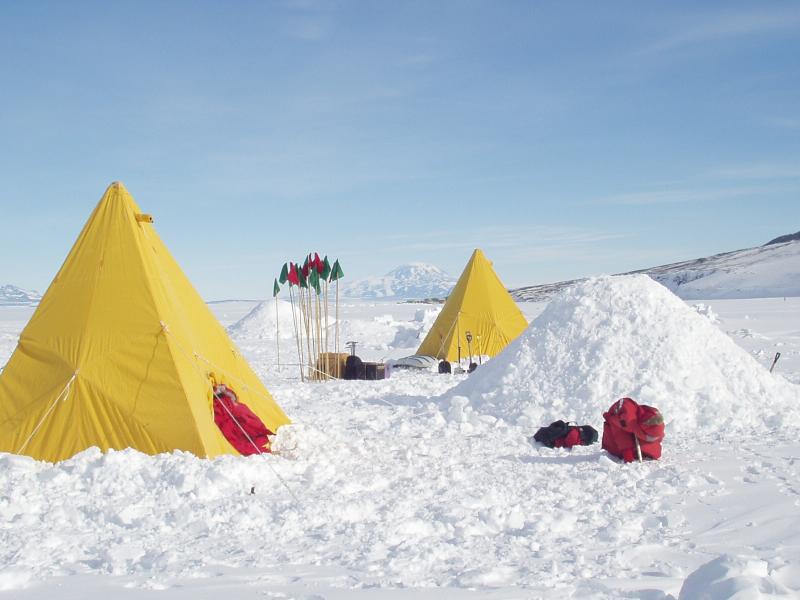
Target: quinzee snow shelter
[479, 307]
[122, 352]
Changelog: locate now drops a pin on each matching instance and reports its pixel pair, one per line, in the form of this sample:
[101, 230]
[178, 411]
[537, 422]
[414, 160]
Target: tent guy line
[61, 397]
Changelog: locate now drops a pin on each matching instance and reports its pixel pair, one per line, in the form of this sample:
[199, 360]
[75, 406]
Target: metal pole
[458, 336]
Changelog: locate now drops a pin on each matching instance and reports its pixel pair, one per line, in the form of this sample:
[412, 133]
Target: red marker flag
[292, 276]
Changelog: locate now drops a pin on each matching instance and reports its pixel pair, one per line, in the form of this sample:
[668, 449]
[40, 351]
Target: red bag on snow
[627, 421]
[240, 425]
[560, 434]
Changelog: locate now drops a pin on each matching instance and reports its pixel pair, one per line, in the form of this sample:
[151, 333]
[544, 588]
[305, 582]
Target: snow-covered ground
[407, 488]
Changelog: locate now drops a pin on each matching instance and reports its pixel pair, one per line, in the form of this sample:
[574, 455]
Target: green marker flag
[313, 280]
[302, 277]
[326, 269]
[275, 288]
[284, 273]
[336, 271]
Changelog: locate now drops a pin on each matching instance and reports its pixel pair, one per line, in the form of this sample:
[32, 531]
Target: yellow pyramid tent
[121, 352]
[481, 305]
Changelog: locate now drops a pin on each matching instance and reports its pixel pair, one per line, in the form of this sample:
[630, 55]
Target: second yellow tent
[479, 307]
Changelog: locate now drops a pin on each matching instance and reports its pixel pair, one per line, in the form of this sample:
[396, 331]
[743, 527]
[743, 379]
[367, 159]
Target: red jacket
[240, 425]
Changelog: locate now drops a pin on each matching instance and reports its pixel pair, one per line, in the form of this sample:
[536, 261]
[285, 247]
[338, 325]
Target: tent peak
[116, 193]
[116, 185]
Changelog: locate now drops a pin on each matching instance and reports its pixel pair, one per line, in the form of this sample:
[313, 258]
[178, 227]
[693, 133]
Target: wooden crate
[330, 365]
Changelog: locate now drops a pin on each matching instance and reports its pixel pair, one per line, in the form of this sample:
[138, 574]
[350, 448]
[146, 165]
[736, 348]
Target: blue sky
[565, 139]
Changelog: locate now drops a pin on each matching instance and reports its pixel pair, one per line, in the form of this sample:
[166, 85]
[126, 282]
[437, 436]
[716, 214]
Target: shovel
[775, 360]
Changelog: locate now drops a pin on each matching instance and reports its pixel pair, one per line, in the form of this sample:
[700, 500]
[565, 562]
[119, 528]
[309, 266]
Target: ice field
[425, 486]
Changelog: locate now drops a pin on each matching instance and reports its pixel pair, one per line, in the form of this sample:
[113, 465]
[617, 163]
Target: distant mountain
[772, 270]
[11, 295]
[414, 281]
[791, 237]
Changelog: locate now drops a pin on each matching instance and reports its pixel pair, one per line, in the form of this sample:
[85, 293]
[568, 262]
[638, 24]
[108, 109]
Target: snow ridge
[768, 271]
[11, 295]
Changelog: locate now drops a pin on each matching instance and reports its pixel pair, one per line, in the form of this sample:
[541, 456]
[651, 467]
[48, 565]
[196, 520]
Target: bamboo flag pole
[318, 323]
[304, 303]
[296, 334]
[310, 333]
[338, 362]
[326, 276]
[320, 333]
[313, 282]
[327, 349]
[278, 333]
[309, 337]
[301, 323]
[275, 291]
[336, 275]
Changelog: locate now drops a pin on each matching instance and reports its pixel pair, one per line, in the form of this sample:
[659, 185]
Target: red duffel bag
[627, 422]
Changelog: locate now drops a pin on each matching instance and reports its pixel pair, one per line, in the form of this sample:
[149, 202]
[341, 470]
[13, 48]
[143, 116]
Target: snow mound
[610, 337]
[260, 323]
[729, 576]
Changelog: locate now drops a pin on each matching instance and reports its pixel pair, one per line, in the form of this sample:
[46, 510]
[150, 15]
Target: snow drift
[260, 323]
[729, 577]
[611, 337]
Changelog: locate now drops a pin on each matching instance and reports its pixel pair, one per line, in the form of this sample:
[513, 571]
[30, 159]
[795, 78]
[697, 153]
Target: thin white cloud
[729, 26]
[758, 171]
[419, 59]
[783, 123]
[305, 4]
[308, 29]
[684, 196]
[532, 240]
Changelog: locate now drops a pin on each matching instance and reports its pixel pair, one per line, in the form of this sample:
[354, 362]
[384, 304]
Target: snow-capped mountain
[11, 295]
[414, 281]
[772, 270]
